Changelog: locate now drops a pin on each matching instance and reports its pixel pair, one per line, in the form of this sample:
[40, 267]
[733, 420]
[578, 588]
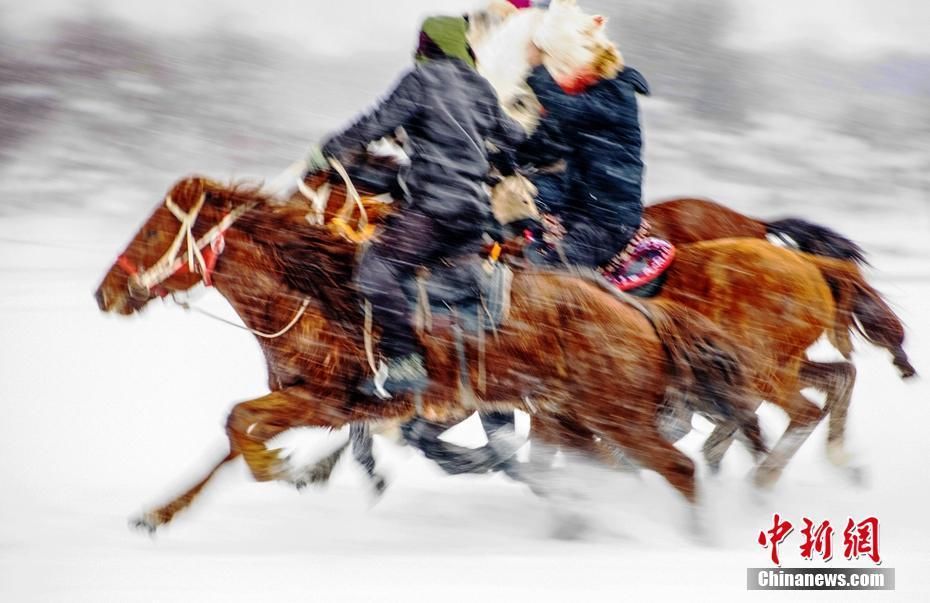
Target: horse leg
[361, 438]
[717, 445]
[642, 440]
[494, 422]
[320, 471]
[549, 434]
[152, 520]
[248, 427]
[252, 423]
[423, 435]
[719, 441]
[804, 416]
[501, 431]
[836, 380]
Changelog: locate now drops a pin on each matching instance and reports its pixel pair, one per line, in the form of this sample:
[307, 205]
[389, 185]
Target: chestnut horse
[749, 288]
[690, 220]
[861, 307]
[571, 347]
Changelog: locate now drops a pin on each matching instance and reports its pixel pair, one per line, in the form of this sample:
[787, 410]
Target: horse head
[174, 250]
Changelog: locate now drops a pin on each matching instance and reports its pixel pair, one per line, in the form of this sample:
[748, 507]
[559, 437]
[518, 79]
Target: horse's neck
[247, 277]
[252, 281]
[502, 53]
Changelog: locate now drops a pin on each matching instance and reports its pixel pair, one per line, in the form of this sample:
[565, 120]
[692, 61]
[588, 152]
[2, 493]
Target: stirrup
[379, 379]
[402, 375]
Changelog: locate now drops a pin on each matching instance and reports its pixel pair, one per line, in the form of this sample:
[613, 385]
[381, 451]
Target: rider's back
[458, 112]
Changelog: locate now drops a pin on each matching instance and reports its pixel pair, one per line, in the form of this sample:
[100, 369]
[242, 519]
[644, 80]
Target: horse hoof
[700, 524]
[764, 478]
[147, 523]
[569, 526]
[700, 533]
[307, 479]
[379, 484]
[837, 455]
[857, 475]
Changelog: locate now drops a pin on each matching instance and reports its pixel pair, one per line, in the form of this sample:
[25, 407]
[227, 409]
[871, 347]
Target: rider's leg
[594, 245]
[408, 241]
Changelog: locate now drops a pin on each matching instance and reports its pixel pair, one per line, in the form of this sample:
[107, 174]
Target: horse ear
[188, 190]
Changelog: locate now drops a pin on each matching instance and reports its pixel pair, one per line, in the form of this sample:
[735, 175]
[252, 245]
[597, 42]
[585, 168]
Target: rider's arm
[393, 112]
[508, 132]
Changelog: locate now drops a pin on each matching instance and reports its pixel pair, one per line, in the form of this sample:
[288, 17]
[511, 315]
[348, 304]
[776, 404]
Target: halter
[201, 253]
[206, 251]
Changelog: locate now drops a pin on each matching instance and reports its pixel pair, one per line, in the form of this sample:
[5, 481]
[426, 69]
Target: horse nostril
[101, 298]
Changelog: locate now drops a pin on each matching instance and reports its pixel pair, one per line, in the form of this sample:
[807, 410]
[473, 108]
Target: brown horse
[688, 220]
[858, 307]
[776, 303]
[568, 345]
[744, 286]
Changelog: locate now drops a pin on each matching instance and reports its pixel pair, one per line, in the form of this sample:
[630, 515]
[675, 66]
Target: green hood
[444, 37]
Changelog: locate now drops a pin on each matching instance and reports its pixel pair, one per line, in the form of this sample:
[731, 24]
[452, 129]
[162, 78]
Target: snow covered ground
[102, 417]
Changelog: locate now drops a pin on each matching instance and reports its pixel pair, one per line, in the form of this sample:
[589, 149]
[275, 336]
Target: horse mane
[308, 258]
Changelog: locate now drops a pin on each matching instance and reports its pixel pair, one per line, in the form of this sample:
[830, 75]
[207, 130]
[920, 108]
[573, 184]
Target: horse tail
[861, 308]
[706, 366]
[816, 239]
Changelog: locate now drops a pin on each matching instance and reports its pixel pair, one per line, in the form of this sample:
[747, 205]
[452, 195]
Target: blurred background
[816, 108]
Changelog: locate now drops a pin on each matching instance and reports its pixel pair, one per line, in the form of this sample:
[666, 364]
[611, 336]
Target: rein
[205, 251]
[300, 312]
[150, 280]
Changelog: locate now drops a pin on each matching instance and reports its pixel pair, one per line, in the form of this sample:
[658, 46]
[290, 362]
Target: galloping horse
[689, 220]
[775, 301]
[860, 307]
[571, 347]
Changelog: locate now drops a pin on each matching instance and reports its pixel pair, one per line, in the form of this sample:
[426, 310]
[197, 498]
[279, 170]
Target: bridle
[201, 255]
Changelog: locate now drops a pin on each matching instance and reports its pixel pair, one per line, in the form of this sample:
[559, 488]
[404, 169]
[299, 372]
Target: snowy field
[103, 417]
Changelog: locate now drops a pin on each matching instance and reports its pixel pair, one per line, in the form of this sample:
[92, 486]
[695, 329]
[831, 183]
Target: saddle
[638, 269]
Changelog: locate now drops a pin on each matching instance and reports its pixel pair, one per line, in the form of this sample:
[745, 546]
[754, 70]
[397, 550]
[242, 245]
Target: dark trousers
[551, 189]
[410, 240]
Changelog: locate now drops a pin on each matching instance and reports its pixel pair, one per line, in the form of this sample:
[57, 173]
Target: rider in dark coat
[600, 126]
[448, 112]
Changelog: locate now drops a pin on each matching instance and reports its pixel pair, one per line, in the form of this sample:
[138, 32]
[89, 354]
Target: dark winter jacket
[600, 128]
[448, 112]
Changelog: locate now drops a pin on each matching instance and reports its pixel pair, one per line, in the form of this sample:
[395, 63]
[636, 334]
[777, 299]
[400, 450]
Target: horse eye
[151, 233]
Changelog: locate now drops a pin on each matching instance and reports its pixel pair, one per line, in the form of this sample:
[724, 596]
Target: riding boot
[405, 374]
